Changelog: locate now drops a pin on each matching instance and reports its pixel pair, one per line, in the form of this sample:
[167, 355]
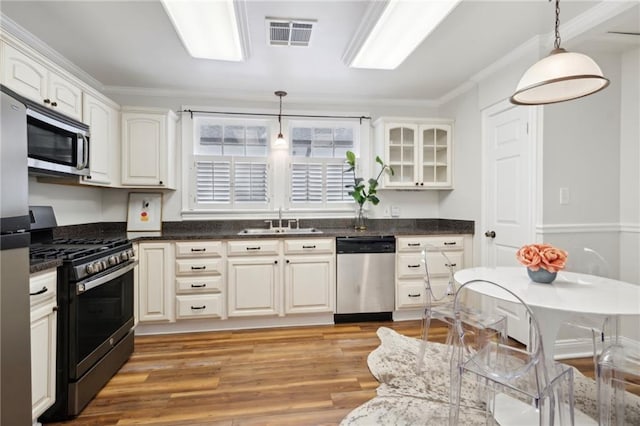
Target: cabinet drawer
[419, 243]
[208, 284]
[199, 306]
[298, 246]
[252, 247]
[199, 248]
[42, 287]
[410, 264]
[411, 295]
[199, 266]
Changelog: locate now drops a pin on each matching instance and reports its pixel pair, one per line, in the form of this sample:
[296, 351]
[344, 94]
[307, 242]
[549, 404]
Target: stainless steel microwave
[57, 144]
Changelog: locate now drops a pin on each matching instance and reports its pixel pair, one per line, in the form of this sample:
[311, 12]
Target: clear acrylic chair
[585, 260]
[438, 307]
[517, 386]
[618, 368]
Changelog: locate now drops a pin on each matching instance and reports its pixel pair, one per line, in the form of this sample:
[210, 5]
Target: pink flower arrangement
[545, 256]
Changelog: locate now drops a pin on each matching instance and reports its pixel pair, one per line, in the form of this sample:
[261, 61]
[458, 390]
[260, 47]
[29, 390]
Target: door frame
[535, 132]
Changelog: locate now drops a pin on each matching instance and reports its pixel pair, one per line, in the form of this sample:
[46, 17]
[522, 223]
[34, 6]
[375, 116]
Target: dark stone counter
[196, 230]
[43, 265]
[229, 229]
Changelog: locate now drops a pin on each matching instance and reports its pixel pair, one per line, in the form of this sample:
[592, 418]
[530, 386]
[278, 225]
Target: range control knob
[131, 253]
[113, 260]
[124, 256]
[90, 268]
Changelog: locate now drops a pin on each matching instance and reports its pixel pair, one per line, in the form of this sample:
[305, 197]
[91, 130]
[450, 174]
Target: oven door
[101, 313]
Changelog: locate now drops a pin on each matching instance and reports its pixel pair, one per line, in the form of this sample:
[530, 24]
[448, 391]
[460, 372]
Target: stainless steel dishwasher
[365, 282]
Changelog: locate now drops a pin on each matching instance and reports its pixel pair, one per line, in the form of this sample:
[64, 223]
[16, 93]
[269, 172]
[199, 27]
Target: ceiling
[132, 44]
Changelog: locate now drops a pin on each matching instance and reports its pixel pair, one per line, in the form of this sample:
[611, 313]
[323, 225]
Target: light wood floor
[287, 376]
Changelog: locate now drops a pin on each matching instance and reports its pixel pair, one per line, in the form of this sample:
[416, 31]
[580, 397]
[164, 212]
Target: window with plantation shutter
[230, 164]
[318, 151]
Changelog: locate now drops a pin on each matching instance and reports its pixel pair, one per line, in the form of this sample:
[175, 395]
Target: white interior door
[509, 198]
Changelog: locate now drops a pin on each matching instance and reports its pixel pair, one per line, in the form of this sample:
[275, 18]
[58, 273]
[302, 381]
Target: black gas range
[85, 257]
[95, 310]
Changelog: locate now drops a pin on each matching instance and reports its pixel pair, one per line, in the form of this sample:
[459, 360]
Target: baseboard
[583, 348]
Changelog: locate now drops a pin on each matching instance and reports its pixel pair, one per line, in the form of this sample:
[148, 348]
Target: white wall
[630, 167]
[72, 204]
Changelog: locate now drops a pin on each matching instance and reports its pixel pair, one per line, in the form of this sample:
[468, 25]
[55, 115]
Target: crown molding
[251, 96]
[13, 29]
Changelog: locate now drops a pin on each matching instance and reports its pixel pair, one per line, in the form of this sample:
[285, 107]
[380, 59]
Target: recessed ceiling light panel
[210, 29]
[400, 27]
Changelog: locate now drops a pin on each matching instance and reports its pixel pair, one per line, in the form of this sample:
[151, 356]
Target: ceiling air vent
[289, 32]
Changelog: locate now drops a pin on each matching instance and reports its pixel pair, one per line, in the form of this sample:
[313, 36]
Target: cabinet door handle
[198, 268]
[414, 295]
[198, 285]
[198, 249]
[54, 104]
[417, 184]
[288, 261]
[47, 101]
[453, 265]
[452, 243]
[41, 291]
[160, 182]
[275, 262]
[253, 248]
[413, 244]
[421, 183]
[309, 247]
[413, 266]
[197, 308]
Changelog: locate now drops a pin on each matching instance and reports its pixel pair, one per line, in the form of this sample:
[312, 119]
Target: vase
[542, 276]
[361, 219]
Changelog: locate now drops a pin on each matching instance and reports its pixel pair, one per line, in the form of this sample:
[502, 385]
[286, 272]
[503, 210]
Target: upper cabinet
[104, 152]
[419, 151]
[148, 148]
[32, 79]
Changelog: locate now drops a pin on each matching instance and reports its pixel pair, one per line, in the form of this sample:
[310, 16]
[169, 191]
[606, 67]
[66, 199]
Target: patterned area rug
[406, 398]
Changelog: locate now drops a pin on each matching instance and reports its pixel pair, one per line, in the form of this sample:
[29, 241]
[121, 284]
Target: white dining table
[555, 303]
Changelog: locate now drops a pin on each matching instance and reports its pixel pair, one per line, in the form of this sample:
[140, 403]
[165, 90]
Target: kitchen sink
[278, 231]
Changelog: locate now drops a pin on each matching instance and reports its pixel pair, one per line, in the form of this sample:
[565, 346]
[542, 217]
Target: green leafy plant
[362, 191]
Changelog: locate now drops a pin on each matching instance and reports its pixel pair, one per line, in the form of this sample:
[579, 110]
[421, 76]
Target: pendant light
[280, 142]
[561, 76]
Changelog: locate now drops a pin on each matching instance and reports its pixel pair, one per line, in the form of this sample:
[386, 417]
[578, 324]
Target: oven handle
[83, 287]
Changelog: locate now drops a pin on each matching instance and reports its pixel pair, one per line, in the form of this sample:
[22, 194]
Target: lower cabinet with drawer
[200, 279]
[42, 287]
[255, 286]
[442, 251]
[309, 275]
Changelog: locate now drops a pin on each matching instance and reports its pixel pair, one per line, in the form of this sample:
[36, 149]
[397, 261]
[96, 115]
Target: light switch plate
[564, 196]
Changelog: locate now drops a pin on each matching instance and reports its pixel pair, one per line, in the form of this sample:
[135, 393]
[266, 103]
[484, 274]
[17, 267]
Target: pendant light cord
[556, 43]
[280, 115]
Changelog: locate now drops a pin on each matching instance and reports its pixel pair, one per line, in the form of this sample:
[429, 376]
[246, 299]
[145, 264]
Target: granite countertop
[196, 230]
[43, 265]
[229, 229]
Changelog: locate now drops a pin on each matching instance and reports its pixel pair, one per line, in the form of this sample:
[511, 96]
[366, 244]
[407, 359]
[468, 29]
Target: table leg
[549, 322]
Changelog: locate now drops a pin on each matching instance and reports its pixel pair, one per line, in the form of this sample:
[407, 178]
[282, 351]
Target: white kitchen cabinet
[42, 287]
[148, 148]
[200, 279]
[419, 151]
[254, 278]
[410, 271]
[33, 79]
[309, 275]
[155, 281]
[104, 152]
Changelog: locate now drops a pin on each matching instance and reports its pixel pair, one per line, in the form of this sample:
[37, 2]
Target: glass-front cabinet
[419, 151]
